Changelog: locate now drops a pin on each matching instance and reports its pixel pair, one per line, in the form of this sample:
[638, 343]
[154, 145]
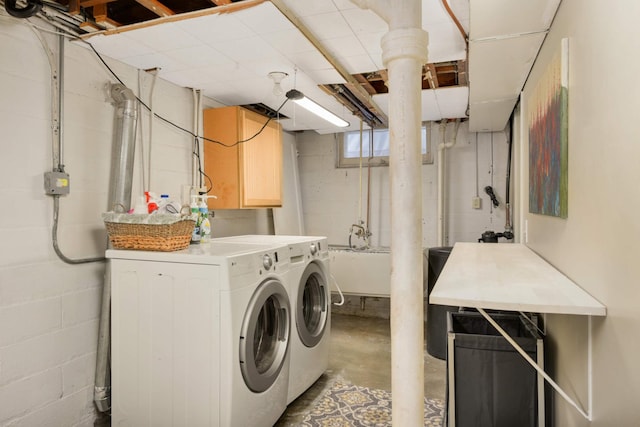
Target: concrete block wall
[49, 310]
[331, 196]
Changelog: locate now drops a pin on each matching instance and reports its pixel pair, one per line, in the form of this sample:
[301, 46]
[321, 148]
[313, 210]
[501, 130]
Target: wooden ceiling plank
[74, 7]
[101, 17]
[220, 2]
[432, 76]
[90, 3]
[100, 12]
[156, 7]
[230, 8]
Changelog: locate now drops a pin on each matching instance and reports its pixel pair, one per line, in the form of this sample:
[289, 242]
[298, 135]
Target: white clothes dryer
[310, 296]
[200, 337]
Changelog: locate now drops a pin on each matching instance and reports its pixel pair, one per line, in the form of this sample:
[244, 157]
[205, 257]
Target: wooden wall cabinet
[247, 174]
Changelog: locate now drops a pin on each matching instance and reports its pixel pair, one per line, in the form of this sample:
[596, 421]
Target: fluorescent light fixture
[299, 98]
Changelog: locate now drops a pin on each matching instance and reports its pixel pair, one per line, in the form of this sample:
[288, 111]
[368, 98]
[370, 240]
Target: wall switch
[56, 183]
[476, 203]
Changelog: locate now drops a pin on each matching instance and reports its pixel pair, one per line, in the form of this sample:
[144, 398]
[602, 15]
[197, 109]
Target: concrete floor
[361, 354]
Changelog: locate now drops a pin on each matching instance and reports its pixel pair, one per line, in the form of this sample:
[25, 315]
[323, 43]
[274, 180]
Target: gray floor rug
[348, 405]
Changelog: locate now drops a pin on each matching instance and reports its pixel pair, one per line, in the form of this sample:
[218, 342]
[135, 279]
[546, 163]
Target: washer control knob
[267, 262]
[313, 249]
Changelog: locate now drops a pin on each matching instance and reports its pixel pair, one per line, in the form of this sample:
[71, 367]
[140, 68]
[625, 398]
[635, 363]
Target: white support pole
[404, 52]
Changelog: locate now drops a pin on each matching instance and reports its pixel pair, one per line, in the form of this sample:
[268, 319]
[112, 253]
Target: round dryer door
[312, 306]
[265, 335]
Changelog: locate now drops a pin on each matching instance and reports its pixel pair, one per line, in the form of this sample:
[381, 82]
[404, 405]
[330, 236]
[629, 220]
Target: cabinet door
[221, 160]
[261, 162]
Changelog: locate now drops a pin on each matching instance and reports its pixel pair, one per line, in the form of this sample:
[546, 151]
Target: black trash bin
[436, 318]
[489, 383]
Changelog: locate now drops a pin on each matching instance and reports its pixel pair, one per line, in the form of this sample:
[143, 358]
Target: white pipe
[404, 51]
[442, 146]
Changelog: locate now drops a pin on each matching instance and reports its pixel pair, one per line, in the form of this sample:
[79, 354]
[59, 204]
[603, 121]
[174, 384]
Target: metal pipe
[119, 194]
[123, 147]
[60, 165]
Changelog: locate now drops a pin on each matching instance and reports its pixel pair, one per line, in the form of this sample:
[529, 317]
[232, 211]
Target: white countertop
[509, 276]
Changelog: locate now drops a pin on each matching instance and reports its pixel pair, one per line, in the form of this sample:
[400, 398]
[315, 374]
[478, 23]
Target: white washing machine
[310, 296]
[200, 337]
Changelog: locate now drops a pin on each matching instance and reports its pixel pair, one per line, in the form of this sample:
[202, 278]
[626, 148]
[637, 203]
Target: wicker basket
[141, 234]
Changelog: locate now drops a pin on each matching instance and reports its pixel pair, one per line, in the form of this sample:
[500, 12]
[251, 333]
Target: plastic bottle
[205, 224]
[152, 204]
[195, 215]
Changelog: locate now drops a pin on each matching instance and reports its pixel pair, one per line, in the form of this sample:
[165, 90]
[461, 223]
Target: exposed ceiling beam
[156, 7]
[229, 8]
[220, 2]
[100, 15]
[359, 90]
[432, 76]
[89, 3]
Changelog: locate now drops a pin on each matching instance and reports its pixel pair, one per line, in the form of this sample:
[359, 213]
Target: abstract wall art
[548, 138]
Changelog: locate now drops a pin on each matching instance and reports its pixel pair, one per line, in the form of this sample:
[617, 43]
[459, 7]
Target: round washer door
[264, 335]
[312, 308]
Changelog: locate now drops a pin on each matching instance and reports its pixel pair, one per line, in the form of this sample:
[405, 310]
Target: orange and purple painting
[548, 139]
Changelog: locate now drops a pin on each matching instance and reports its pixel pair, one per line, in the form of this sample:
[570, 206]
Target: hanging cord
[170, 123]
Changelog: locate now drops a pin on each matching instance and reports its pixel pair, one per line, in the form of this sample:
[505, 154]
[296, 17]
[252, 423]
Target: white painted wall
[49, 310]
[330, 196]
[597, 245]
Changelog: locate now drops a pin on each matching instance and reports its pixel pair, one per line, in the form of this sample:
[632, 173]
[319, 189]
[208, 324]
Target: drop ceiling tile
[364, 21]
[445, 43]
[344, 46]
[430, 108]
[119, 46]
[247, 49]
[358, 64]
[308, 61]
[490, 116]
[452, 101]
[154, 60]
[288, 42]
[163, 37]
[304, 8]
[198, 56]
[262, 67]
[499, 68]
[327, 76]
[433, 12]
[371, 42]
[493, 18]
[215, 29]
[345, 4]
[327, 26]
[264, 18]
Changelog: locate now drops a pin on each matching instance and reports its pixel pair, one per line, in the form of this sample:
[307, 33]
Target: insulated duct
[123, 147]
[119, 195]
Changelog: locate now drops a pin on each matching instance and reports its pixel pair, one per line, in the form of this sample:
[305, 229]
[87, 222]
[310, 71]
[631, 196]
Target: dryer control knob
[313, 249]
[267, 262]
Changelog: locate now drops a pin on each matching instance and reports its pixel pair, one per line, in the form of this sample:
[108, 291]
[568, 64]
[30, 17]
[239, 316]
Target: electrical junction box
[56, 183]
[476, 203]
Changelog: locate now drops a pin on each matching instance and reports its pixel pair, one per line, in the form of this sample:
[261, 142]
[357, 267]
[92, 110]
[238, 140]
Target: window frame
[354, 162]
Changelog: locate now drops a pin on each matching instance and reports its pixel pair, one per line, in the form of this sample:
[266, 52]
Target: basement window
[349, 148]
